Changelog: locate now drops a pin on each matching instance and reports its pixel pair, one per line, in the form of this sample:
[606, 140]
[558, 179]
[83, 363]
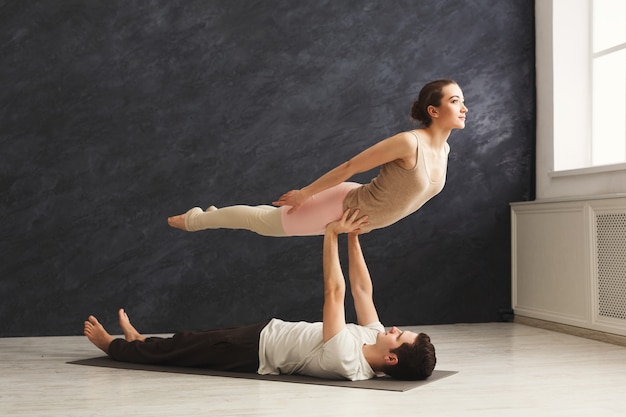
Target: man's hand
[349, 223]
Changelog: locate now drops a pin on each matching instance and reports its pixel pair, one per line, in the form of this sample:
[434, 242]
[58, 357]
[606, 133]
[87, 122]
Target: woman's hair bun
[417, 113]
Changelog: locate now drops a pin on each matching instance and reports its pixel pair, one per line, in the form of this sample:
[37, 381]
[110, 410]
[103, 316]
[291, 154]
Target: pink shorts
[312, 217]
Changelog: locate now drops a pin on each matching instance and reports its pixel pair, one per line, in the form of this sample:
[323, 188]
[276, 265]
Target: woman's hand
[293, 198]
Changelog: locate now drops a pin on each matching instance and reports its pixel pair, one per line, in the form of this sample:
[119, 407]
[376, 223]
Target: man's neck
[372, 356]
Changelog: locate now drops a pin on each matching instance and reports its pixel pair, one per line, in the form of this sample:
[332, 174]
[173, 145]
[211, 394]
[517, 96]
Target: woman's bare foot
[130, 333]
[177, 222]
[97, 335]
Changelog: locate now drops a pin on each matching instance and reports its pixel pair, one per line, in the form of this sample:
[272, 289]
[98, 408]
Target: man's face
[394, 338]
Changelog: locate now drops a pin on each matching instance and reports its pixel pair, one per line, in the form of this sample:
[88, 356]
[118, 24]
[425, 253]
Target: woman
[413, 170]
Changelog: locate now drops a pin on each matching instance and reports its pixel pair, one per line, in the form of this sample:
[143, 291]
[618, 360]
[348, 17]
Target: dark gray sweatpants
[230, 349]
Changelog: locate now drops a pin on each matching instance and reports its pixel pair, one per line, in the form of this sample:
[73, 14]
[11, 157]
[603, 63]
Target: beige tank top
[396, 192]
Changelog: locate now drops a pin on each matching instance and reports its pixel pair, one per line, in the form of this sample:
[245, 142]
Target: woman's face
[451, 113]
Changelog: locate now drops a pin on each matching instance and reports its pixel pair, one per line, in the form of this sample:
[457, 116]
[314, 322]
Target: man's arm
[360, 283]
[334, 315]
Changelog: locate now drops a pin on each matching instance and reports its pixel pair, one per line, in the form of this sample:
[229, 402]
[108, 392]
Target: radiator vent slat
[611, 264]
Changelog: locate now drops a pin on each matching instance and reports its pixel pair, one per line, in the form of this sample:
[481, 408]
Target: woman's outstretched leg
[309, 220]
[264, 220]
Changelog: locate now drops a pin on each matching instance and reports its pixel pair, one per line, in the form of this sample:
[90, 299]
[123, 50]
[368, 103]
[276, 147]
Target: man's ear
[391, 359]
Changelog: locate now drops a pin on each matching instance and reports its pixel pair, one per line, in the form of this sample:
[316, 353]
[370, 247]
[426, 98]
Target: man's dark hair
[416, 360]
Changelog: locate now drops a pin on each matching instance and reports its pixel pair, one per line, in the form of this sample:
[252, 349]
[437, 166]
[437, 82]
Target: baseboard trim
[614, 339]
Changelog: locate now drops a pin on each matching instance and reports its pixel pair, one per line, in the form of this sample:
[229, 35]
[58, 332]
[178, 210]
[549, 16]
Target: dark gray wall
[118, 114]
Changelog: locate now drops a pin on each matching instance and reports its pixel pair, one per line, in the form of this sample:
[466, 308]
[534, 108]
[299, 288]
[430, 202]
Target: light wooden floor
[505, 369]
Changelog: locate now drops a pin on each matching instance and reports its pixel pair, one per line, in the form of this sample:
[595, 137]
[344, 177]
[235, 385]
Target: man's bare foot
[177, 222]
[97, 335]
[130, 333]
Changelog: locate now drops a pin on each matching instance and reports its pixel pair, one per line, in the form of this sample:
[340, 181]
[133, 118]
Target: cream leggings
[309, 220]
[264, 220]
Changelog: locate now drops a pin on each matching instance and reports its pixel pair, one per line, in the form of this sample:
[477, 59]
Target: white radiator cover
[569, 262]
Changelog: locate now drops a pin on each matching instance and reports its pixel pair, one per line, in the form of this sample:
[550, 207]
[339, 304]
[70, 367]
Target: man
[330, 349]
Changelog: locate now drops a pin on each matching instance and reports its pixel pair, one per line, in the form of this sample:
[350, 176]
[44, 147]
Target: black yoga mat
[384, 383]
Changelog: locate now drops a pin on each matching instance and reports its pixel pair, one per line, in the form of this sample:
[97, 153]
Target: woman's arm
[398, 147]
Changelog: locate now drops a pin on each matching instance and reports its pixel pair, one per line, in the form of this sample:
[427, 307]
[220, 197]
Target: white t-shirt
[298, 348]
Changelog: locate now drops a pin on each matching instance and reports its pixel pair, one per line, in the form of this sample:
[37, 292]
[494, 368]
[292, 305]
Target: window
[589, 59]
[608, 143]
[581, 105]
